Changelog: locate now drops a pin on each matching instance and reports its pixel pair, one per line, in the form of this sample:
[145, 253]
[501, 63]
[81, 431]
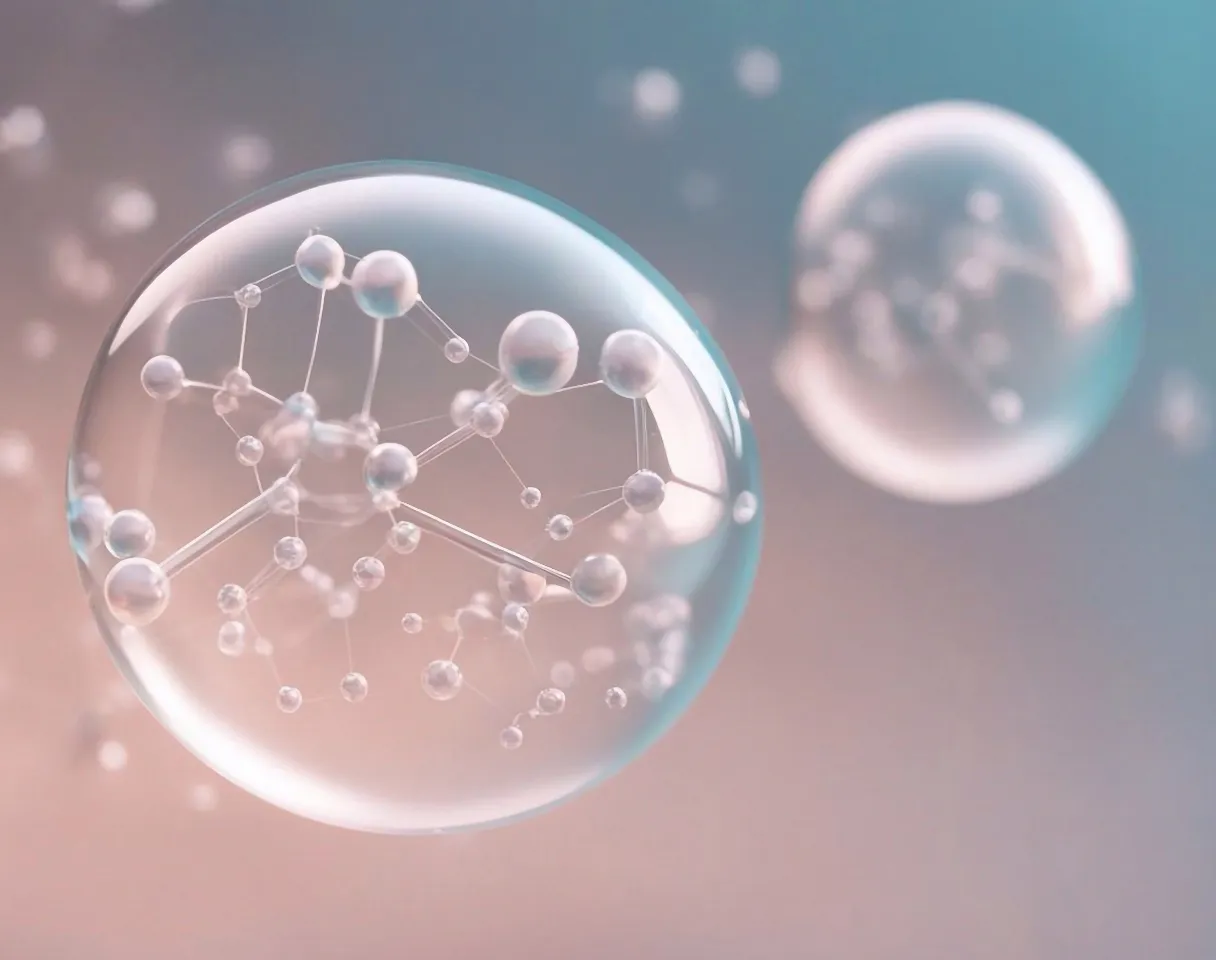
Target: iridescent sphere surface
[964, 314]
[384, 709]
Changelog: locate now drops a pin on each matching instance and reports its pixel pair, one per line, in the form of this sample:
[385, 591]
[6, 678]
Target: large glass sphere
[410, 500]
[963, 304]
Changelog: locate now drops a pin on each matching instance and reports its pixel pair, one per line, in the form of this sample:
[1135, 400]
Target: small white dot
[38, 339]
[656, 95]
[112, 756]
[758, 72]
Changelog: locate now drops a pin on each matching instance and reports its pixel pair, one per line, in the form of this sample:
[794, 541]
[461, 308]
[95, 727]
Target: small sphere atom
[290, 553]
[644, 491]
[368, 573]
[232, 600]
[530, 498]
[354, 687]
[404, 537]
[456, 350]
[488, 418]
[550, 702]
[289, 699]
[231, 638]
[616, 698]
[163, 378]
[411, 623]
[248, 296]
[559, 527]
[442, 680]
[249, 451]
[511, 738]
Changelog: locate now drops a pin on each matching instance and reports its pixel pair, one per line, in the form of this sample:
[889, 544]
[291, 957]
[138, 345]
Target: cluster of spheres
[410, 501]
[964, 316]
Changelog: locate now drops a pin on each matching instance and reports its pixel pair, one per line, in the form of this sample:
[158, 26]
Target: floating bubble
[965, 317]
[266, 565]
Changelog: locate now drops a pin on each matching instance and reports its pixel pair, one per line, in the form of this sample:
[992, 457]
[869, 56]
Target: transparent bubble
[456, 350]
[550, 702]
[249, 451]
[390, 466]
[423, 751]
[631, 363]
[530, 498]
[965, 318]
[559, 526]
[616, 698]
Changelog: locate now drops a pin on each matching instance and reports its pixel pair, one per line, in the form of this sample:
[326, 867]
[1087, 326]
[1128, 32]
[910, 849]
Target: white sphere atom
[538, 353]
[321, 262]
[385, 285]
[631, 363]
[136, 592]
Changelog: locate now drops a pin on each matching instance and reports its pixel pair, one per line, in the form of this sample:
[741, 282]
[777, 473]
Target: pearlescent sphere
[538, 353]
[290, 553]
[385, 285]
[368, 573]
[481, 608]
[644, 491]
[163, 378]
[231, 638]
[390, 466]
[599, 580]
[630, 363]
[965, 319]
[320, 262]
[442, 680]
[404, 537]
[136, 592]
[354, 687]
[488, 418]
[456, 350]
[129, 533]
[511, 738]
[249, 451]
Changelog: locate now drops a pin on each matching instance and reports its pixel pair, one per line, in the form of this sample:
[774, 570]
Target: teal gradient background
[986, 732]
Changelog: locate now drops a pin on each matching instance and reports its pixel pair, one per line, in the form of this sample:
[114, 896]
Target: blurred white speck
[758, 72]
[700, 190]
[247, 155]
[1184, 412]
[656, 95]
[562, 674]
[77, 272]
[16, 455]
[126, 208]
[112, 756]
[22, 128]
[203, 798]
[38, 340]
[984, 206]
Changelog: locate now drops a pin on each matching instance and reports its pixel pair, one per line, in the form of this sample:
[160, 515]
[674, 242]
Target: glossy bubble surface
[964, 311]
[424, 609]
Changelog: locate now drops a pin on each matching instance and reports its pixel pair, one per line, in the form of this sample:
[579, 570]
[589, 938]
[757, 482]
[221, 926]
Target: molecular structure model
[896, 316]
[537, 356]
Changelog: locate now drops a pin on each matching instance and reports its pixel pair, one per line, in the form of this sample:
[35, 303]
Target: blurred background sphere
[964, 304]
[435, 594]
